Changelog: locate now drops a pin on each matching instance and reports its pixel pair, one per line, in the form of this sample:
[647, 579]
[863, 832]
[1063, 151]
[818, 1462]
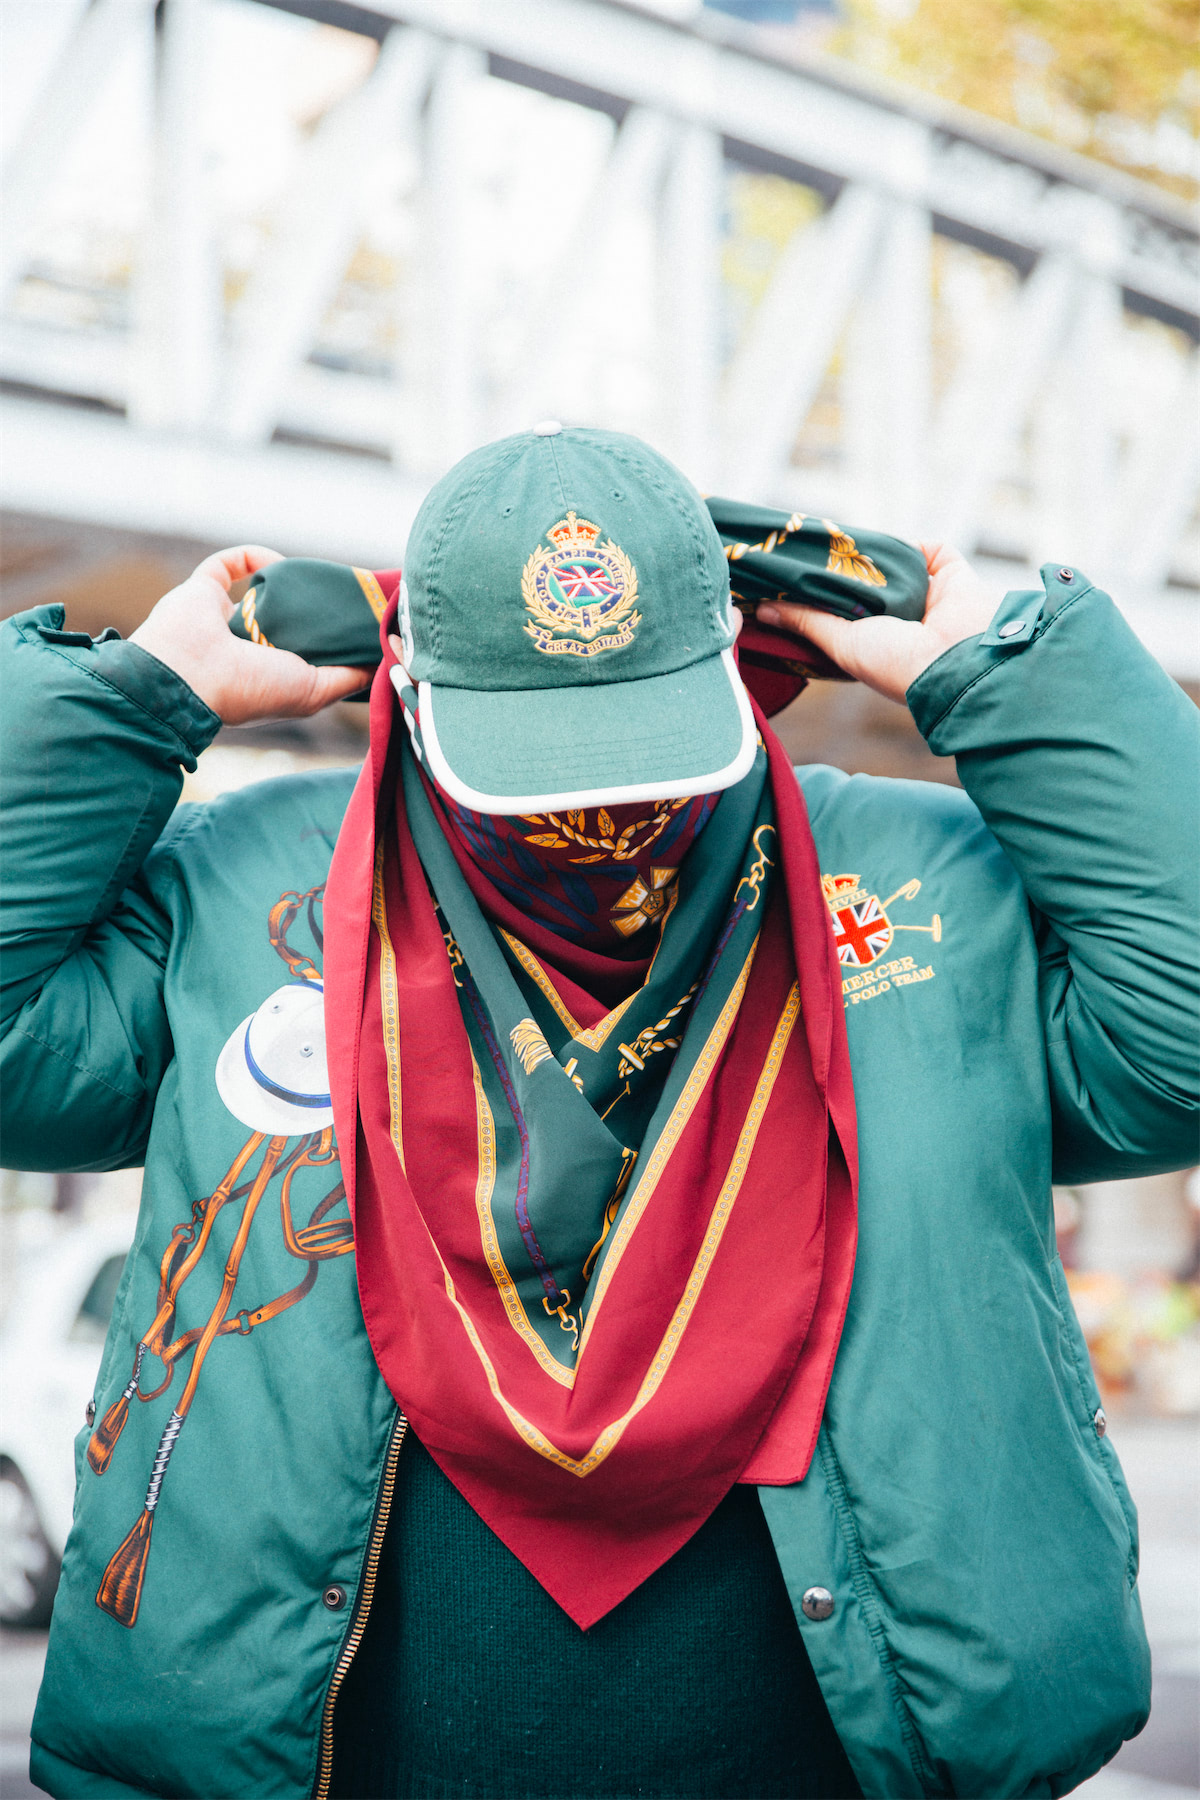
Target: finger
[333, 684]
[940, 556]
[823, 629]
[228, 566]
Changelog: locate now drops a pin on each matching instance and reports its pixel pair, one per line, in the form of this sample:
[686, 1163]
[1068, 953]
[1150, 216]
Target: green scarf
[566, 1149]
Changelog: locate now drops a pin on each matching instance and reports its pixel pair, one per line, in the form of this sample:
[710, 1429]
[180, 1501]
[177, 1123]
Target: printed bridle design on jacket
[316, 1242]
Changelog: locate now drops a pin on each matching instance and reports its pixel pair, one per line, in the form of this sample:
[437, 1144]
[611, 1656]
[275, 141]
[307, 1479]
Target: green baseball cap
[566, 621]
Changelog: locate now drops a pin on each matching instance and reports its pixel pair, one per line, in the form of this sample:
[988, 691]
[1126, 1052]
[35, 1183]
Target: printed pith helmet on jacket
[272, 1072]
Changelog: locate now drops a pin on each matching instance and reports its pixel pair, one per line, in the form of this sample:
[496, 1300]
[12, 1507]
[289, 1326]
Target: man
[582, 990]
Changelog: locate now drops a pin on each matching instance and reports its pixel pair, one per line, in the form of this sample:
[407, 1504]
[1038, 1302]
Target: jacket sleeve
[1084, 759]
[93, 741]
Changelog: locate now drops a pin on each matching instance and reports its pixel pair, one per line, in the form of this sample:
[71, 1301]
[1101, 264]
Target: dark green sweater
[470, 1681]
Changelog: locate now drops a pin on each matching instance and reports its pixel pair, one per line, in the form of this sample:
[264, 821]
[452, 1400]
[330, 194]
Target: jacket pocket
[1096, 1446]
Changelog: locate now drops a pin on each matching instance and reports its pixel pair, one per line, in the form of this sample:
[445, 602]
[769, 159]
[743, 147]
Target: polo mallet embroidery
[863, 928]
[270, 1076]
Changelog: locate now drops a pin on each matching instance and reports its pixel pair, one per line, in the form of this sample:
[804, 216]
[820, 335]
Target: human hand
[242, 682]
[888, 654]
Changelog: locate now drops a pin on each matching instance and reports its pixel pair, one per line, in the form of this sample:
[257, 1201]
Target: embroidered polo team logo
[580, 594]
[862, 930]
[863, 933]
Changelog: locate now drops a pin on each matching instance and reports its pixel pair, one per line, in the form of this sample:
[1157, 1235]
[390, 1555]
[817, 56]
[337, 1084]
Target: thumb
[825, 630]
[333, 684]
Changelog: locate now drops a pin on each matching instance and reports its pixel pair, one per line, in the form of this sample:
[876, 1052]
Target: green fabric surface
[316, 609]
[477, 528]
[471, 1682]
[974, 1530]
[74, 900]
[808, 559]
[628, 734]
[1106, 839]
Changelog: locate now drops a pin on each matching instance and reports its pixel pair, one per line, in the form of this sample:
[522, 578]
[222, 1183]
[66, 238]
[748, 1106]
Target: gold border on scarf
[681, 1113]
[374, 593]
[388, 1006]
[484, 1188]
[668, 1137]
[591, 1039]
[610, 1437]
[485, 1135]
[595, 1036]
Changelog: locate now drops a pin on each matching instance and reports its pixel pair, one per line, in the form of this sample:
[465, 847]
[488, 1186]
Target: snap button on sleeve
[817, 1603]
[1066, 574]
[1015, 620]
[334, 1597]
[89, 1413]
[1100, 1421]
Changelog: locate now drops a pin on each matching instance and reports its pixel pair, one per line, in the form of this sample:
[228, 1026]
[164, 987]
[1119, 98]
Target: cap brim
[544, 749]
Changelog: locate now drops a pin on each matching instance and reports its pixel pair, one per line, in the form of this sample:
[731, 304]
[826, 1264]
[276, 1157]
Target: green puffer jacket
[1021, 1001]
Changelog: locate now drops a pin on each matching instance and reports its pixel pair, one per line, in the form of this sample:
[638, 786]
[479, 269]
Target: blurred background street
[927, 266]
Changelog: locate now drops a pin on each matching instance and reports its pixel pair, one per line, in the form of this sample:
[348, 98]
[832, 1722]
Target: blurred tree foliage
[763, 213]
[1117, 79]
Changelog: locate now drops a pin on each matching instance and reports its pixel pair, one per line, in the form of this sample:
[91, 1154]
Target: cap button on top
[547, 428]
[1012, 628]
[817, 1603]
[1066, 574]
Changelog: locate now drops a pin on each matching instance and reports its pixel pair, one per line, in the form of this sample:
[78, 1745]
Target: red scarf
[746, 1377]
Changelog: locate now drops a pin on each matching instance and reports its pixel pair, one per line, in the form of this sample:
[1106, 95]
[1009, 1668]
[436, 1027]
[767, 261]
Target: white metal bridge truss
[1036, 437]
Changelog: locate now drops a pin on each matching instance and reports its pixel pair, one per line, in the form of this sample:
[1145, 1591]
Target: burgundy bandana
[602, 878]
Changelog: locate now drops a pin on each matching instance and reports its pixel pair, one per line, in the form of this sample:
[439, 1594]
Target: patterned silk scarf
[599, 879]
[603, 1267]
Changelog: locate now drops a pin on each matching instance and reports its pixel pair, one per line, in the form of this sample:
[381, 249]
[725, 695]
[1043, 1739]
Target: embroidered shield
[862, 930]
[580, 594]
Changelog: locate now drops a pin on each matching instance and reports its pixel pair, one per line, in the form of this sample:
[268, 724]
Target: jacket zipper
[366, 1594]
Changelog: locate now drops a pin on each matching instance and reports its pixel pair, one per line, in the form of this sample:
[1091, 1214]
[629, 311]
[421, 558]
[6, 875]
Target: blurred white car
[49, 1355]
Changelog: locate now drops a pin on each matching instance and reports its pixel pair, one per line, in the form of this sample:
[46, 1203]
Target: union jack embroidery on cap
[580, 594]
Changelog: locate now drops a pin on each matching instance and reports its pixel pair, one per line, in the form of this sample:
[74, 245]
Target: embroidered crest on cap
[581, 595]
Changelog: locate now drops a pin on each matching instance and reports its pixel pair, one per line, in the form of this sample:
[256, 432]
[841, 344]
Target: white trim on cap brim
[699, 783]
[251, 1104]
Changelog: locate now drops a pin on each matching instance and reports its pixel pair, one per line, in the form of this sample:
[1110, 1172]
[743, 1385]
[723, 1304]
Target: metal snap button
[334, 1597]
[89, 1413]
[1100, 1421]
[817, 1603]
[1012, 628]
[1066, 574]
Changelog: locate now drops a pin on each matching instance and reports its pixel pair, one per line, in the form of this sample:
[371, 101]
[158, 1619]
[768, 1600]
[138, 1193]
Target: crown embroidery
[580, 594]
[842, 890]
